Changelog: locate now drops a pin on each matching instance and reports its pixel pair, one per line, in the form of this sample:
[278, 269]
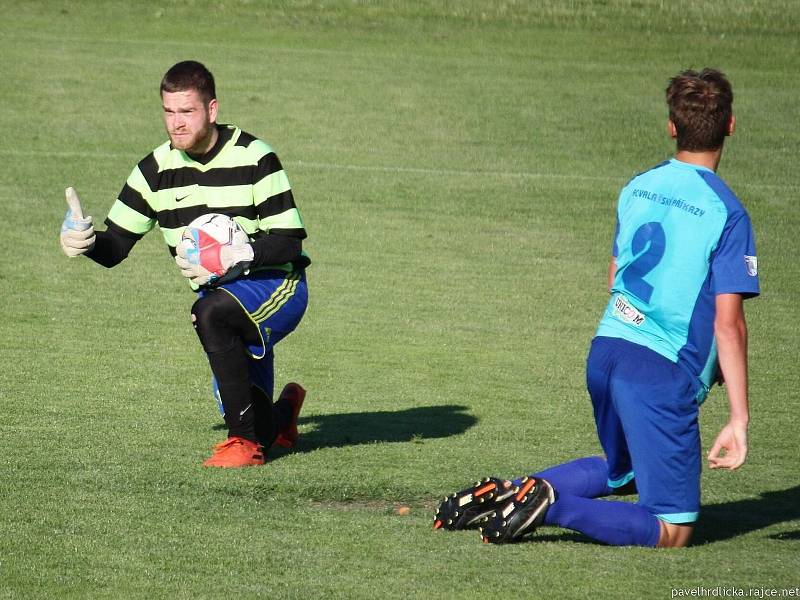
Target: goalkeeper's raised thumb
[74, 218]
[77, 233]
[74, 203]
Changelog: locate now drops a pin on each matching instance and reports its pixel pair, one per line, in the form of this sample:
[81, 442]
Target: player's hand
[235, 254]
[190, 263]
[229, 256]
[77, 232]
[730, 448]
[193, 271]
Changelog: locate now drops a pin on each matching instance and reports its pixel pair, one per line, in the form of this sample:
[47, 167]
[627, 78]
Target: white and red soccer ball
[205, 237]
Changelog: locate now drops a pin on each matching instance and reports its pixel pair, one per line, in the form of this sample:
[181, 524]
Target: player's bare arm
[612, 271]
[730, 329]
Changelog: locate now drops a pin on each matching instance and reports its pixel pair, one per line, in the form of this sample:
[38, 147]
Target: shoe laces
[232, 441]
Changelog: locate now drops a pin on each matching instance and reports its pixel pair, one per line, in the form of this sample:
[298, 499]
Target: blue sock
[613, 523]
[585, 477]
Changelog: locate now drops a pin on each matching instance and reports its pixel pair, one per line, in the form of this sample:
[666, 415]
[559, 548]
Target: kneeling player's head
[700, 109]
[190, 75]
[190, 107]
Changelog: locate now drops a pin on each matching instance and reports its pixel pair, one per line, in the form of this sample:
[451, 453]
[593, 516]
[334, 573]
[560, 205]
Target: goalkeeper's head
[190, 75]
[189, 99]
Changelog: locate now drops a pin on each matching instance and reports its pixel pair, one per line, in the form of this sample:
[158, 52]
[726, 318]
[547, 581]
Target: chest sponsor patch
[751, 262]
[625, 311]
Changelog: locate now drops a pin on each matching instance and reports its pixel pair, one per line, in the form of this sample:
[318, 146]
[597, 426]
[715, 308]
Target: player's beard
[193, 143]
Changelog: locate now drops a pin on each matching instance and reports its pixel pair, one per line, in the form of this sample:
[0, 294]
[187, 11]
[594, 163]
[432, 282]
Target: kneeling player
[683, 261]
[206, 168]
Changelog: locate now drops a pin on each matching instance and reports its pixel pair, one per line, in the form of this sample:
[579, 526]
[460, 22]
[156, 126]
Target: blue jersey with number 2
[682, 238]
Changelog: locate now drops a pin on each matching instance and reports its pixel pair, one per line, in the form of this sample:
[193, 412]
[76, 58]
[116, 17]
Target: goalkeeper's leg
[245, 385]
[224, 329]
[272, 420]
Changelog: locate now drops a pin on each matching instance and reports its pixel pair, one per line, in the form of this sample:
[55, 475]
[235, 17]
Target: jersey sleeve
[111, 246]
[734, 265]
[614, 246]
[619, 206]
[273, 198]
[132, 212]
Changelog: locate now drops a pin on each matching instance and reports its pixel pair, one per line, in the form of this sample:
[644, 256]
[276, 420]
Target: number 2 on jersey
[649, 242]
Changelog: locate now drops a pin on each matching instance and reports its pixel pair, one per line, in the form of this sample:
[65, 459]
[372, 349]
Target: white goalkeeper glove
[228, 257]
[77, 233]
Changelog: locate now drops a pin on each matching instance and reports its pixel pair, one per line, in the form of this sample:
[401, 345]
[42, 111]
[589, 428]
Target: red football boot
[236, 452]
[295, 394]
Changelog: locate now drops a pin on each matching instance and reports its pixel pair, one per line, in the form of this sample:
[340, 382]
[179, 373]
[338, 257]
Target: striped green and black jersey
[240, 177]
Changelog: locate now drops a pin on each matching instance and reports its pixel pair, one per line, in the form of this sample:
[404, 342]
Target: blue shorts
[646, 413]
[275, 301]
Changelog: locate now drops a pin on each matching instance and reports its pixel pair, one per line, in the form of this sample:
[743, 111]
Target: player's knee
[203, 315]
[210, 318]
[674, 535]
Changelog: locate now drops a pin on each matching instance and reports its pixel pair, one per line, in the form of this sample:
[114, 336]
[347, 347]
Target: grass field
[456, 164]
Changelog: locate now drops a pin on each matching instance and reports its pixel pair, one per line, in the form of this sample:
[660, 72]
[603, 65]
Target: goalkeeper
[207, 167]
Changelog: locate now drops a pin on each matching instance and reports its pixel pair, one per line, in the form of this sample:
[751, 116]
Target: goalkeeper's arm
[78, 237]
[112, 246]
[276, 249]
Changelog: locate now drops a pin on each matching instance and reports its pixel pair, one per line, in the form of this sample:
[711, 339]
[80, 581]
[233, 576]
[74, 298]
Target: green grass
[456, 164]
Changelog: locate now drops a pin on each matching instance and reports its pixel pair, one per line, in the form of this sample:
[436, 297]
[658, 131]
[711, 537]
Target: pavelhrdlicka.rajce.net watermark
[735, 592]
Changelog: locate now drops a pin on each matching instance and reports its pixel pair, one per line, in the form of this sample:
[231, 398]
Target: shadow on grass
[719, 522]
[546, 535]
[349, 429]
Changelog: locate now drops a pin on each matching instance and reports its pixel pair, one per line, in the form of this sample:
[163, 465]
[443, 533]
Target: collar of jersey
[685, 165]
[225, 134]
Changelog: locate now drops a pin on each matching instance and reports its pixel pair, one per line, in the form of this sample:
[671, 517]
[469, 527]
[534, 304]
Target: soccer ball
[203, 240]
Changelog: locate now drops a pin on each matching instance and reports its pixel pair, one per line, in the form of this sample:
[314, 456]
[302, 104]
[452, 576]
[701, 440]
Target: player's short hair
[189, 75]
[700, 106]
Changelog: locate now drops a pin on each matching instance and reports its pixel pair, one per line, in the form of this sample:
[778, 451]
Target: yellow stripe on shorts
[279, 297]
